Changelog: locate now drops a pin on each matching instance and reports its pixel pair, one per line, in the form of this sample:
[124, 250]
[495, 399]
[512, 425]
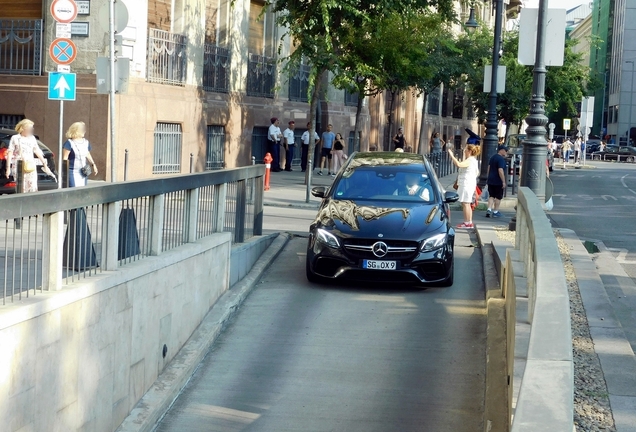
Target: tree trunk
[422, 140]
[390, 125]
[356, 128]
[315, 98]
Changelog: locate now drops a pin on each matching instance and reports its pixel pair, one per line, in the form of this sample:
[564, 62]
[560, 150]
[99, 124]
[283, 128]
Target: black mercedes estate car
[384, 218]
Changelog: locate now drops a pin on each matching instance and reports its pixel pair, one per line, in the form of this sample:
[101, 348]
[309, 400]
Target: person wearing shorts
[327, 140]
[496, 181]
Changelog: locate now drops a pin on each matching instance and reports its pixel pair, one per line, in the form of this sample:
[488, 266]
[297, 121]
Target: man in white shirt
[289, 142]
[274, 136]
[412, 187]
[305, 147]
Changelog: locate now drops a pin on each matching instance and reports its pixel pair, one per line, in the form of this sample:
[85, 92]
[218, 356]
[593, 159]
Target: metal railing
[20, 47]
[166, 57]
[442, 163]
[299, 84]
[216, 69]
[58, 237]
[261, 76]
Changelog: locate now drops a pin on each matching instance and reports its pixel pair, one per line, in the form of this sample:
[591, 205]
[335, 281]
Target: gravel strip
[592, 410]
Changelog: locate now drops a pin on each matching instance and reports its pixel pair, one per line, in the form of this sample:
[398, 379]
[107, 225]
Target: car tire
[311, 276]
[631, 159]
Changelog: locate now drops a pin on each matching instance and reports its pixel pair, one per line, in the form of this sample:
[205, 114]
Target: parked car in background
[369, 229]
[610, 153]
[45, 182]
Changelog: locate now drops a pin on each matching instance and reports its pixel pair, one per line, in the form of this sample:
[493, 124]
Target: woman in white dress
[467, 181]
[23, 146]
[77, 150]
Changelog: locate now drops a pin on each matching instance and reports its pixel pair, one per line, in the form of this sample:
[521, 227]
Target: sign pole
[60, 159]
[111, 97]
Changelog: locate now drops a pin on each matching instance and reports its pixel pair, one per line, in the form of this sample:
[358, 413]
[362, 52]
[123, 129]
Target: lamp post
[472, 23]
[603, 121]
[631, 97]
[534, 147]
[491, 139]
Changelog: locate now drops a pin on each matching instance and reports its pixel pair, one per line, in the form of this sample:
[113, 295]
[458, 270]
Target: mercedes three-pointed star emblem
[380, 249]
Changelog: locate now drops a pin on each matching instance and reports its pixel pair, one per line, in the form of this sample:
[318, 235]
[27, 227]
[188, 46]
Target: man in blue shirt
[328, 138]
[496, 181]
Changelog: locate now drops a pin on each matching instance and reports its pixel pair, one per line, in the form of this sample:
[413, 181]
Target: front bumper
[421, 267]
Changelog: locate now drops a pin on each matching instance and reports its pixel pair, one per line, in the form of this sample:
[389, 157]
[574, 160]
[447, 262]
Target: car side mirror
[319, 191]
[451, 197]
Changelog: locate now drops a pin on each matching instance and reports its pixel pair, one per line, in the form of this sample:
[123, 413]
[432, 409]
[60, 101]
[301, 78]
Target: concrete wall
[79, 359]
[245, 255]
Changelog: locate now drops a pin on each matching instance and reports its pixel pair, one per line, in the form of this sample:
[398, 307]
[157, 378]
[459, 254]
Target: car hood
[371, 219]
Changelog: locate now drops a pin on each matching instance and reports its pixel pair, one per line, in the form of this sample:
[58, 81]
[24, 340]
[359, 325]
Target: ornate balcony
[166, 57]
[216, 69]
[20, 47]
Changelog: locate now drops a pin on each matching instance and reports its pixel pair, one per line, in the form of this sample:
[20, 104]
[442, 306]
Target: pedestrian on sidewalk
[577, 150]
[328, 137]
[565, 151]
[496, 181]
[274, 137]
[77, 150]
[436, 148]
[467, 182]
[289, 142]
[398, 140]
[339, 156]
[305, 147]
[24, 146]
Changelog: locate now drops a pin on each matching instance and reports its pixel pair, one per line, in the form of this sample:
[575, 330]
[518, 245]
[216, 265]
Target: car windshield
[389, 183]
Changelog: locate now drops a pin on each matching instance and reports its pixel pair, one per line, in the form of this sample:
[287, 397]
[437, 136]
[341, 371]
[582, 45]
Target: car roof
[387, 158]
[11, 132]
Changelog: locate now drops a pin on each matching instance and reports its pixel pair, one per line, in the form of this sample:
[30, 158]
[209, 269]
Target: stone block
[165, 337]
[137, 377]
[551, 336]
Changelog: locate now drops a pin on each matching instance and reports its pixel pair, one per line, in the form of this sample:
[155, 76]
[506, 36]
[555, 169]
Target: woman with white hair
[23, 146]
[77, 150]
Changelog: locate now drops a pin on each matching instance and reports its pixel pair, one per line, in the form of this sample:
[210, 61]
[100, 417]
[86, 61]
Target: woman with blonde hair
[23, 146]
[467, 181]
[77, 150]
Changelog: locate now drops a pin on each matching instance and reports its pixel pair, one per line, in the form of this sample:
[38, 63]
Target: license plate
[379, 265]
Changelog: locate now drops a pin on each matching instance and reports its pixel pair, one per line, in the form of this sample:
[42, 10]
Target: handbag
[86, 170]
[28, 166]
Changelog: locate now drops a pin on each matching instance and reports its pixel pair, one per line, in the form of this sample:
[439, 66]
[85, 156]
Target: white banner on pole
[555, 37]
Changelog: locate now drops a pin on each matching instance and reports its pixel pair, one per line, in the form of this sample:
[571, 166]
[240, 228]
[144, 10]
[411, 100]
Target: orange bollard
[268, 166]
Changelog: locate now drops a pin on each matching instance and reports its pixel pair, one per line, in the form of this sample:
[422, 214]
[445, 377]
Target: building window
[433, 102]
[166, 57]
[215, 149]
[8, 121]
[445, 103]
[458, 104]
[20, 46]
[351, 99]
[216, 69]
[167, 148]
[261, 76]
[299, 84]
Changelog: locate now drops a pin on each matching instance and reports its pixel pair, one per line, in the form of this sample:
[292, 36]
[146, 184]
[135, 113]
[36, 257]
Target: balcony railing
[216, 69]
[261, 76]
[166, 57]
[299, 84]
[20, 47]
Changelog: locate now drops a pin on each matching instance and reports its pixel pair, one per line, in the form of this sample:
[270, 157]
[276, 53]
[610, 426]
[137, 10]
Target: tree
[564, 85]
[319, 29]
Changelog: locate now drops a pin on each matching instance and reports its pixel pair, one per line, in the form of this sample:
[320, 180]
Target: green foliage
[565, 86]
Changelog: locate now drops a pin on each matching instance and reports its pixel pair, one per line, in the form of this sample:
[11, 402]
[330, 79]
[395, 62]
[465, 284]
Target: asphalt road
[301, 357]
[599, 204]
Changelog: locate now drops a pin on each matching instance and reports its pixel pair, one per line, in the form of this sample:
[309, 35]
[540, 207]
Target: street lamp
[491, 139]
[472, 23]
[631, 97]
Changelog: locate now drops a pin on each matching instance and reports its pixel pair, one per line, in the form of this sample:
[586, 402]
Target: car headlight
[435, 242]
[327, 238]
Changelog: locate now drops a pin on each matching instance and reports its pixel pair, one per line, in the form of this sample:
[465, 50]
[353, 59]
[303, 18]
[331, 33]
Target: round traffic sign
[63, 51]
[64, 11]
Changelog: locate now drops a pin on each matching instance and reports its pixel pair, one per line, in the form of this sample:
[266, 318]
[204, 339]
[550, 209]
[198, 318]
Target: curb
[165, 390]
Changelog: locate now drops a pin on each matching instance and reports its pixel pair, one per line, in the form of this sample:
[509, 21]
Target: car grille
[397, 249]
